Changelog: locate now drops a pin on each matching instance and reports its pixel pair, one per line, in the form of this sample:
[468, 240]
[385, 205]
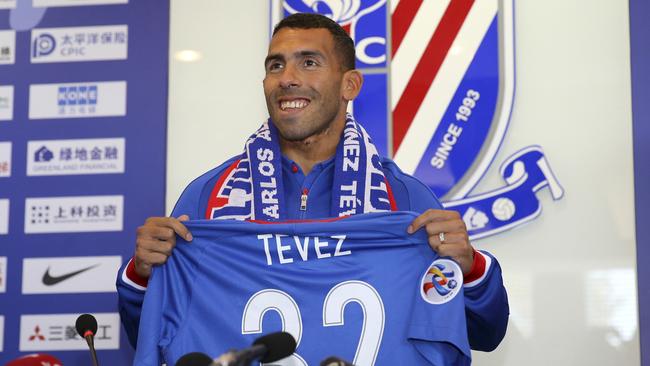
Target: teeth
[294, 104]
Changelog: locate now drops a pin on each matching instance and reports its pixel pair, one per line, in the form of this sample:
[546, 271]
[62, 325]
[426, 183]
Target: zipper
[303, 199]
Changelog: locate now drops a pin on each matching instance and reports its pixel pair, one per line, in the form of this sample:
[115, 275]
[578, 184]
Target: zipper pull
[303, 200]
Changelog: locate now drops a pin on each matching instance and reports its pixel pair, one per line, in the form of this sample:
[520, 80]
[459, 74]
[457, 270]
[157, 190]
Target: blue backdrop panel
[94, 172]
[640, 60]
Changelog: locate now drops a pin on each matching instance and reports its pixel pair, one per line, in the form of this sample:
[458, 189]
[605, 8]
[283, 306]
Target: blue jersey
[359, 288]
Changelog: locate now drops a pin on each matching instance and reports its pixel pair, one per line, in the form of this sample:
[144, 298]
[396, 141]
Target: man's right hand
[155, 241]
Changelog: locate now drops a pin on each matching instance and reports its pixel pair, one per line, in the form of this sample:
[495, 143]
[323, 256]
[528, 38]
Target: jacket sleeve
[130, 287]
[486, 300]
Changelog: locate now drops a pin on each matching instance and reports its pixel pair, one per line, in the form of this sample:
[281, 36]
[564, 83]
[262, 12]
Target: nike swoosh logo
[49, 280]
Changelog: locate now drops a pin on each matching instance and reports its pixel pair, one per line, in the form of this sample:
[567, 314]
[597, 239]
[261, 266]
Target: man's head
[310, 76]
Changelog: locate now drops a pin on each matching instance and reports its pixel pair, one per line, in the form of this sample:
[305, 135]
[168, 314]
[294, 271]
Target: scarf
[251, 188]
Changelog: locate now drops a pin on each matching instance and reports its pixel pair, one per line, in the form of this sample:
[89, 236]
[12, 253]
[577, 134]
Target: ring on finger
[441, 237]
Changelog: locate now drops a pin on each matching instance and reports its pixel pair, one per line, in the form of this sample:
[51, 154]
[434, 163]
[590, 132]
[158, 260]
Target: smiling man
[312, 160]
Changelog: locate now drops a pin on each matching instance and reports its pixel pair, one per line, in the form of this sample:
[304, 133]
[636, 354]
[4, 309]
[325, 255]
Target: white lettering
[319, 244]
[339, 245]
[302, 247]
[266, 238]
[281, 249]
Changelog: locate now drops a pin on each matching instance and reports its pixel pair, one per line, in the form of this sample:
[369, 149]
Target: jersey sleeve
[130, 288]
[169, 291]
[486, 301]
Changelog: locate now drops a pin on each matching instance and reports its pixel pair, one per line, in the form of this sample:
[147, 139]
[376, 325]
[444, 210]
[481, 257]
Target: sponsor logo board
[75, 100]
[68, 157]
[3, 274]
[7, 45]
[45, 3]
[98, 43]
[7, 4]
[4, 216]
[73, 214]
[2, 332]
[56, 332]
[5, 159]
[70, 274]
[6, 103]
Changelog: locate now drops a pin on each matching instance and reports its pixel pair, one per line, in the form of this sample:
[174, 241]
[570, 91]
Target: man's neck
[314, 149]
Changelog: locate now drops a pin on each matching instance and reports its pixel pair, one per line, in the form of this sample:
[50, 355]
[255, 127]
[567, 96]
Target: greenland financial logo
[48, 3]
[74, 214]
[6, 103]
[4, 216]
[77, 100]
[5, 159]
[98, 43]
[7, 46]
[56, 332]
[70, 157]
[70, 274]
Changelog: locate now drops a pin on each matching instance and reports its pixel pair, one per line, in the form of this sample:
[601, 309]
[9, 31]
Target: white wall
[571, 273]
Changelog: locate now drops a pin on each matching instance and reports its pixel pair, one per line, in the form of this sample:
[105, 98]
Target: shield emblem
[439, 81]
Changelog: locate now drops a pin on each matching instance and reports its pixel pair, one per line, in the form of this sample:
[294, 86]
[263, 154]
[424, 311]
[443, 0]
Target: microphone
[335, 361]
[35, 360]
[194, 359]
[86, 325]
[269, 348]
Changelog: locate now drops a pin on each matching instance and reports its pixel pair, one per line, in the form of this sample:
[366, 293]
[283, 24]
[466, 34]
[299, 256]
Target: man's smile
[293, 104]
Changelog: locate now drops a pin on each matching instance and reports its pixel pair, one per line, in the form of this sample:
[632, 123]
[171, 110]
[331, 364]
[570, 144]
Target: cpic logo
[56, 332]
[43, 45]
[73, 44]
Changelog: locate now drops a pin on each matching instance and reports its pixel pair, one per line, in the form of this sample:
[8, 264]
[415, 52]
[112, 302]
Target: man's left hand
[455, 243]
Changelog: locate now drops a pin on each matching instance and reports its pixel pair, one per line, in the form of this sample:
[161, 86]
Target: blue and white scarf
[252, 189]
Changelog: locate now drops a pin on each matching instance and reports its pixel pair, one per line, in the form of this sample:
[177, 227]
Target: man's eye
[310, 63]
[275, 66]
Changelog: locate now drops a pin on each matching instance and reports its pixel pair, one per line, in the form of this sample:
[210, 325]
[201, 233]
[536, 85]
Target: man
[310, 79]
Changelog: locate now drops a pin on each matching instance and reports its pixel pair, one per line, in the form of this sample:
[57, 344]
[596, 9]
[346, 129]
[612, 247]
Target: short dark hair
[344, 45]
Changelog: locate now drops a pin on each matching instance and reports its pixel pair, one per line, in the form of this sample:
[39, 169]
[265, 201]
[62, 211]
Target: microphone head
[279, 346]
[85, 323]
[194, 359]
[35, 359]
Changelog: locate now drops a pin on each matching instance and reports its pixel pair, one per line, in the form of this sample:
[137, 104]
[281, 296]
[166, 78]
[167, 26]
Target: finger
[447, 227]
[456, 239]
[158, 233]
[180, 229]
[430, 216]
[153, 259]
[155, 246]
[183, 218]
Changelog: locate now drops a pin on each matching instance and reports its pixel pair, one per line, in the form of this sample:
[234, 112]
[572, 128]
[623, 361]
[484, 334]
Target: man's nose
[289, 77]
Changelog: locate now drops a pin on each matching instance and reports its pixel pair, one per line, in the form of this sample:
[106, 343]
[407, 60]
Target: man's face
[303, 82]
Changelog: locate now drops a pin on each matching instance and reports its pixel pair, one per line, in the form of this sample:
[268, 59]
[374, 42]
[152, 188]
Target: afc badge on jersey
[439, 83]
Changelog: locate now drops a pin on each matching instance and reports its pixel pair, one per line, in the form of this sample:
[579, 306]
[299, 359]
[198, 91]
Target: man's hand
[456, 240]
[155, 241]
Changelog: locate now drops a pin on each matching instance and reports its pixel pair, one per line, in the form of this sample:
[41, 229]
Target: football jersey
[359, 288]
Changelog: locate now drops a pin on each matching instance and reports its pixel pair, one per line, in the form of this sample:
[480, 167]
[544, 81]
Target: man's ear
[351, 86]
